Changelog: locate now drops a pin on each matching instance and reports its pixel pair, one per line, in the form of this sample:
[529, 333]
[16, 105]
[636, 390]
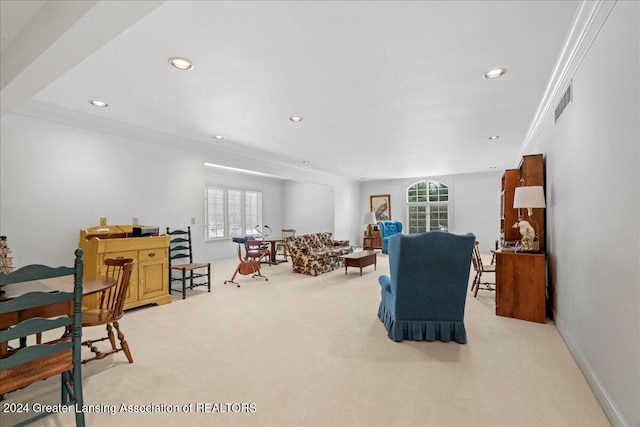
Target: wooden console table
[520, 285]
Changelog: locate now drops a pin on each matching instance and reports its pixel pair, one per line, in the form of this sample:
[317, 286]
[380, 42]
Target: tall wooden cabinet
[521, 276]
[149, 280]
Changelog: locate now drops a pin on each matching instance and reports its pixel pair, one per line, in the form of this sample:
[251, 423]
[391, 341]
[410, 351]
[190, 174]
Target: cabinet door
[520, 286]
[152, 279]
[132, 291]
[377, 240]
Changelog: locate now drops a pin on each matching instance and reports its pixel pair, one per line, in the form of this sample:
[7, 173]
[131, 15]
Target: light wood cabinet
[149, 280]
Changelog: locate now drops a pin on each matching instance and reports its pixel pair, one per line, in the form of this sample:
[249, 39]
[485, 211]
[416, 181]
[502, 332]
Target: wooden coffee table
[360, 259]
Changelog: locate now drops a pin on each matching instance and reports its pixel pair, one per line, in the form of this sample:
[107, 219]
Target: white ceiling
[387, 89]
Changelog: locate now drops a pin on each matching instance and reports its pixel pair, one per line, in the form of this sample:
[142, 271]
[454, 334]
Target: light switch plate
[103, 221]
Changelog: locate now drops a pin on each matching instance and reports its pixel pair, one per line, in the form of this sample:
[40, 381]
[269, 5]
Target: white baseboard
[608, 405]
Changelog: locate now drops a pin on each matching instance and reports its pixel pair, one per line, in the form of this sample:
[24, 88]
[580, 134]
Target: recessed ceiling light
[494, 74]
[494, 137]
[218, 136]
[493, 167]
[306, 162]
[181, 63]
[295, 118]
[97, 103]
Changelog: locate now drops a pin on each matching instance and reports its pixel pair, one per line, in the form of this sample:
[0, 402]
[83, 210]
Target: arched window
[427, 207]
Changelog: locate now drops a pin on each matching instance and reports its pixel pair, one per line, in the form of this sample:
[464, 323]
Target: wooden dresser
[149, 279]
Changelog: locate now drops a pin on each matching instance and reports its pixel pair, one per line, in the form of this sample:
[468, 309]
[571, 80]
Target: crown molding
[213, 151]
[586, 25]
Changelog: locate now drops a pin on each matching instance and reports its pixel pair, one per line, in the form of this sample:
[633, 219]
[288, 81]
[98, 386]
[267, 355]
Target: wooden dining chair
[38, 312]
[493, 253]
[480, 268]
[281, 247]
[110, 310]
[181, 260]
[256, 250]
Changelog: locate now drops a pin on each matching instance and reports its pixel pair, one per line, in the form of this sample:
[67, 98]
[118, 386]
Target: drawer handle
[152, 254]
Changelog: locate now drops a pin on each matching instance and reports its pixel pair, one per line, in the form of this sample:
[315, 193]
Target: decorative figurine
[528, 241]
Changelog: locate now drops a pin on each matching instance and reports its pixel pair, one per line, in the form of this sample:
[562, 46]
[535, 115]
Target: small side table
[367, 243]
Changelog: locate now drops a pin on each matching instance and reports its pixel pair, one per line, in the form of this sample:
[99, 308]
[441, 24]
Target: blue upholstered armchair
[424, 296]
[388, 229]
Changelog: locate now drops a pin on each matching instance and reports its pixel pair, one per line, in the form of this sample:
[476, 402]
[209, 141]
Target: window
[427, 207]
[232, 213]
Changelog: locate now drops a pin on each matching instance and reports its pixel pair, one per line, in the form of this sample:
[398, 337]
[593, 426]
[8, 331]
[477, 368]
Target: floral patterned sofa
[317, 253]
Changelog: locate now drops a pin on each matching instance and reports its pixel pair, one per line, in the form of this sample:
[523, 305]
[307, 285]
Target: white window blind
[232, 212]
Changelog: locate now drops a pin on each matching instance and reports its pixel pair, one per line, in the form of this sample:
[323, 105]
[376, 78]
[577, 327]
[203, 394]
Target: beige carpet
[310, 351]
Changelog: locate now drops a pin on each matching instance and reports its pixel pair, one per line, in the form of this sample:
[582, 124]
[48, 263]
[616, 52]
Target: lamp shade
[529, 197]
[370, 218]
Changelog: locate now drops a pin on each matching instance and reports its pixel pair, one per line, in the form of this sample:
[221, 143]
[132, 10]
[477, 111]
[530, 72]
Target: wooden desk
[521, 285]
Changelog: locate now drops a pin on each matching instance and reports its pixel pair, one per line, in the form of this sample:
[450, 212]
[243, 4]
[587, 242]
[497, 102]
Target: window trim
[428, 204]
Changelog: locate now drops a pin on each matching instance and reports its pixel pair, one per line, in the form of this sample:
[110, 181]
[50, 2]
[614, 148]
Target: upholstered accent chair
[424, 296]
[388, 229]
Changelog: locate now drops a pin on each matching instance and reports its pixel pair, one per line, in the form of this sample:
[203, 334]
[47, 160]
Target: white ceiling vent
[564, 102]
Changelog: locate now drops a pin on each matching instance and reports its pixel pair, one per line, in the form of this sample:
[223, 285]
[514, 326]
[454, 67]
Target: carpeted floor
[310, 351]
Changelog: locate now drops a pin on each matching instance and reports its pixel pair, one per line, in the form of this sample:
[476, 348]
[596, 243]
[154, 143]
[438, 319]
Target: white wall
[477, 207]
[56, 179]
[474, 205]
[308, 207]
[593, 196]
[347, 211]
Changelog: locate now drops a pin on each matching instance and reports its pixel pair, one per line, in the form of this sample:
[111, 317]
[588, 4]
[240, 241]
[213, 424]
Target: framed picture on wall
[381, 205]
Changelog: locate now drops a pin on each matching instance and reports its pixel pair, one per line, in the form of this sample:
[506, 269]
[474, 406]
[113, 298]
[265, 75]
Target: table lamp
[369, 220]
[530, 197]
